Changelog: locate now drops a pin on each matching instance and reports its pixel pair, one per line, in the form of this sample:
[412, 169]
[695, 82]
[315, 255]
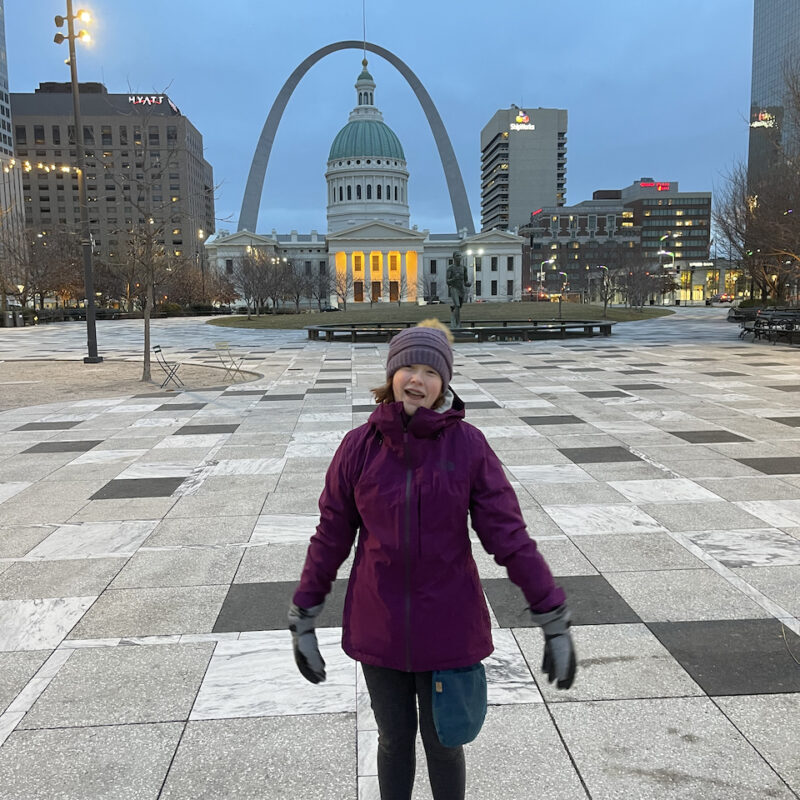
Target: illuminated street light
[86, 236]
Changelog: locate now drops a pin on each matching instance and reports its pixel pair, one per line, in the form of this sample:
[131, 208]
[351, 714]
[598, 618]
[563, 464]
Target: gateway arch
[248, 217]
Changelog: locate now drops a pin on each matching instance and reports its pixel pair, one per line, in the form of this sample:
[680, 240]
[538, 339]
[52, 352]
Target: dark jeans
[394, 697]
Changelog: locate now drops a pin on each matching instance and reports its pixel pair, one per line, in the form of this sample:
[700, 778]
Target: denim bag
[459, 703]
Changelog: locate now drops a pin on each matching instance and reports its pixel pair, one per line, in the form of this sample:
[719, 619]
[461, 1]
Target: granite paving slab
[28, 580]
[211, 761]
[76, 446]
[118, 762]
[122, 685]
[670, 749]
[789, 465]
[734, 656]
[186, 566]
[16, 669]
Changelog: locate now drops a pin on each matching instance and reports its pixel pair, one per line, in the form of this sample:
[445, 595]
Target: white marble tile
[40, 681]
[99, 402]
[69, 417]
[670, 490]
[284, 528]
[758, 547]
[588, 519]
[367, 752]
[322, 437]
[192, 440]
[249, 466]
[82, 644]
[107, 457]
[365, 719]
[39, 624]
[159, 422]
[296, 450]
[507, 674]
[506, 431]
[550, 473]
[141, 470]
[228, 636]
[93, 539]
[335, 416]
[777, 513]
[257, 677]
[166, 638]
[134, 408]
[8, 490]
[368, 788]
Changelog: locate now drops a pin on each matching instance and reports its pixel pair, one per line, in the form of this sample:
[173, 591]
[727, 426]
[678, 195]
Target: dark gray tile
[585, 369]
[787, 388]
[639, 387]
[545, 366]
[555, 419]
[137, 487]
[591, 599]
[793, 422]
[699, 359]
[47, 426]
[64, 447]
[366, 408]
[277, 397]
[157, 394]
[343, 379]
[723, 373]
[731, 657]
[475, 404]
[605, 393]
[598, 455]
[181, 406]
[327, 390]
[778, 465]
[244, 392]
[263, 607]
[636, 372]
[493, 380]
[708, 437]
[763, 364]
[197, 430]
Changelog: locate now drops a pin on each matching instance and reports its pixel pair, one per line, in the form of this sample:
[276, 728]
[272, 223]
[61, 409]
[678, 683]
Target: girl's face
[416, 386]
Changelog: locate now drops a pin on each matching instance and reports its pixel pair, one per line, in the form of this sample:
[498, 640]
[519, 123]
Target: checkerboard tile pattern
[146, 562]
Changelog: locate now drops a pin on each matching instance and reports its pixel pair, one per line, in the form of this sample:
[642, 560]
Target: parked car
[720, 297]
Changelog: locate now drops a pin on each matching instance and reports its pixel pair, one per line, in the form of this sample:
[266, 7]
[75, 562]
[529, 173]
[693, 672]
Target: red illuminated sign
[662, 187]
[659, 186]
[534, 213]
[646, 184]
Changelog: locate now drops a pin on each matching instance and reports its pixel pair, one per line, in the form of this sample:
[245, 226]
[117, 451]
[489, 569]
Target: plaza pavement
[149, 547]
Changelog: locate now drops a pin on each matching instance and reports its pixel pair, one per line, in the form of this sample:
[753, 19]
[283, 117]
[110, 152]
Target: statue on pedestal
[457, 283]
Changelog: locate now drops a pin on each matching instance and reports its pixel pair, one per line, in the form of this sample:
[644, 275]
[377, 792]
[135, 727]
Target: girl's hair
[384, 393]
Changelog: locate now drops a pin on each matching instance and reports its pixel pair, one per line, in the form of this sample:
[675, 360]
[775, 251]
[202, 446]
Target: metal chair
[231, 364]
[170, 368]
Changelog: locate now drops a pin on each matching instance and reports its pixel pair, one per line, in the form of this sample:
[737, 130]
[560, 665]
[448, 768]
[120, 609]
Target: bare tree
[319, 288]
[342, 285]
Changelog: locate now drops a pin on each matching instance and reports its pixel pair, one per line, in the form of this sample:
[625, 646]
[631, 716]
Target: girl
[406, 482]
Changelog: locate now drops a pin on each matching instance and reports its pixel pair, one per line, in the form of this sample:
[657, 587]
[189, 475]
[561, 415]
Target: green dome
[366, 137]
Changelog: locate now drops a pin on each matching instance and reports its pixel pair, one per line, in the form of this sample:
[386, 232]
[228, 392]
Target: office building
[12, 215]
[776, 48]
[144, 159]
[523, 165]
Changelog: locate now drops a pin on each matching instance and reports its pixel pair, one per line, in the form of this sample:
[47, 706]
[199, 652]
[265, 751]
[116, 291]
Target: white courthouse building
[370, 241]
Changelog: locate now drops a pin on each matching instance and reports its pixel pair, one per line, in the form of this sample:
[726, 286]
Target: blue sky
[652, 88]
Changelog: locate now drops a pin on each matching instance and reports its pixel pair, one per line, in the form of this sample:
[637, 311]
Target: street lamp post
[541, 273]
[201, 257]
[86, 236]
[561, 293]
[672, 264]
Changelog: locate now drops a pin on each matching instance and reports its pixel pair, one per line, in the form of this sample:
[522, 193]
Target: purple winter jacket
[414, 601]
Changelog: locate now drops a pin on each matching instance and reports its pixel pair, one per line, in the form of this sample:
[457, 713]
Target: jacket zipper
[407, 533]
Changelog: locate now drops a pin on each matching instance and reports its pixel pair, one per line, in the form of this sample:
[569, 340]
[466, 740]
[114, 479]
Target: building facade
[144, 160]
[776, 47]
[523, 165]
[371, 253]
[13, 248]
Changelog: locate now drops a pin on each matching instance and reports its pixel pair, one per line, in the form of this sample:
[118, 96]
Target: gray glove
[559, 652]
[304, 639]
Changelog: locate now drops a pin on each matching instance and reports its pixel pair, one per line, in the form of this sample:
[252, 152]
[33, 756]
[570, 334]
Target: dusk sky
[652, 88]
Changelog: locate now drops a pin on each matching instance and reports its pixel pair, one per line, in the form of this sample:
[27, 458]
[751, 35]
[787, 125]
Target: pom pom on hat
[428, 343]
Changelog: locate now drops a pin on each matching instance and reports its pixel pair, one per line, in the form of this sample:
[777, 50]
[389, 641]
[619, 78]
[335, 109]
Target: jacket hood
[391, 421]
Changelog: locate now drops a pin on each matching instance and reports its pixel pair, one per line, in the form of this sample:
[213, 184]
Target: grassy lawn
[411, 312]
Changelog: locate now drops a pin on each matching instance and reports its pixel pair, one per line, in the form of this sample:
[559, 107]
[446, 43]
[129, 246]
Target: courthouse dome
[366, 137]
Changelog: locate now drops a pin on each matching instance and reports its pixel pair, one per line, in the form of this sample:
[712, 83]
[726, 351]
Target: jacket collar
[391, 421]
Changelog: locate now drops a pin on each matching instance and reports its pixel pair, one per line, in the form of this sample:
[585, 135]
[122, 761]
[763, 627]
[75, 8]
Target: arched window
[379, 191]
[360, 99]
[349, 192]
[388, 192]
[370, 98]
[358, 192]
[369, 191]
[395, 193]
[340, 194]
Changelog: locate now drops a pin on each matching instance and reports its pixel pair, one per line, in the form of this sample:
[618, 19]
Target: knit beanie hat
[421, 345]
